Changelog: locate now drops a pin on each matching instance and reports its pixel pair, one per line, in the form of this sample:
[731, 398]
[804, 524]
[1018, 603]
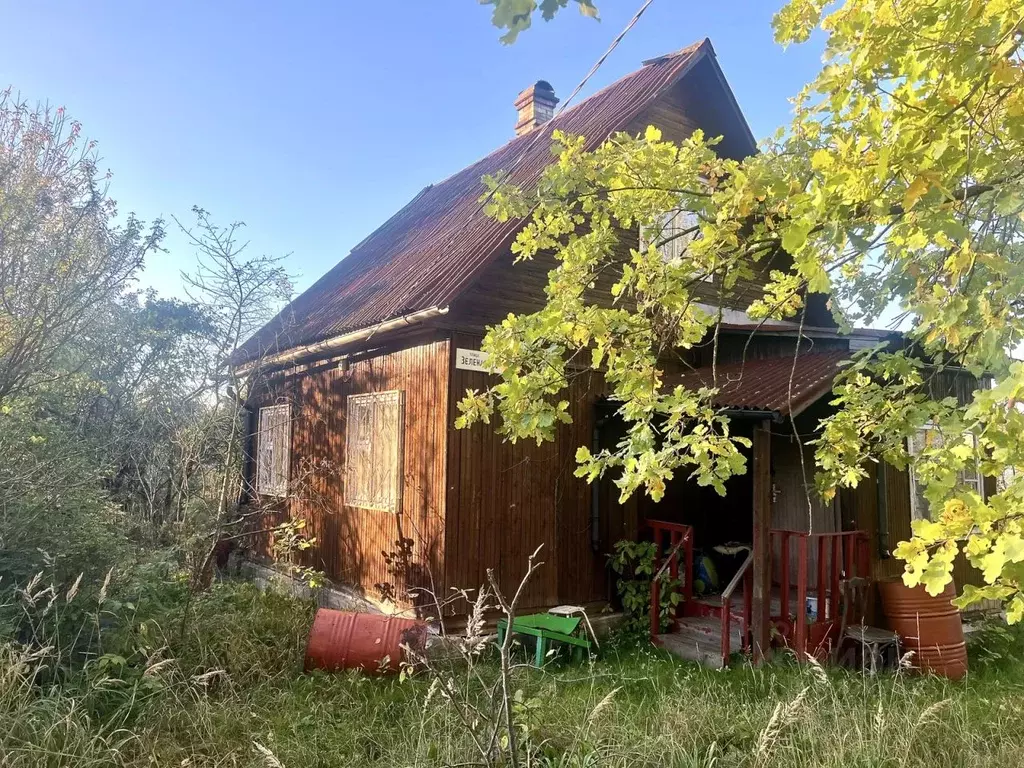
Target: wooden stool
[875, 643]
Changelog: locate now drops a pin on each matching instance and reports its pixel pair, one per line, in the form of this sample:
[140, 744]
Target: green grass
[151, 701]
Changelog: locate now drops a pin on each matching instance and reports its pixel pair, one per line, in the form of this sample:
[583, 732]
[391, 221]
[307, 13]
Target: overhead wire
[525, 151]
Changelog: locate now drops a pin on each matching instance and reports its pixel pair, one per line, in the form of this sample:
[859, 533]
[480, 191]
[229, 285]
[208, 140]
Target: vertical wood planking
[505, 499]
[353, 544]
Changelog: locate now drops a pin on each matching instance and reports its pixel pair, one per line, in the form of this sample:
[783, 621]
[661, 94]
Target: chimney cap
[541, 90]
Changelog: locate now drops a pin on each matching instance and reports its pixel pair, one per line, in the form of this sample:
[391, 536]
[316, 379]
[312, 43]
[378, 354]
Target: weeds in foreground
[230, 692]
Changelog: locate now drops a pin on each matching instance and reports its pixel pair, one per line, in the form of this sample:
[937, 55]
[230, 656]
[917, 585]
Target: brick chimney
[536, 105]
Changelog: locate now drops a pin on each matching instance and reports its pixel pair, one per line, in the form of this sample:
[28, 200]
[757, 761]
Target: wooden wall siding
[789, 507]
[667, 113]
[957, 383]
[737, 346]
[506, 286]
[504, 500]
[353, 544]
[696, 101]
[509, 287]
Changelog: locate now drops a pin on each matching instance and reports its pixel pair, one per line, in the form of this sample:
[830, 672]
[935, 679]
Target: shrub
[633, 561]
[55, 519]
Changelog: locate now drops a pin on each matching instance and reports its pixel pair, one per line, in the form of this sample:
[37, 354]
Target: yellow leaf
[1003, 72]
[1015, 610]
[992, 565]
[821, 159]
[917, 189]
[928, 530]
[936, 576]
[1015, 104]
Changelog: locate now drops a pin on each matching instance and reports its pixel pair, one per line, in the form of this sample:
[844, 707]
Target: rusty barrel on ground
[367, 641]
[928, 626]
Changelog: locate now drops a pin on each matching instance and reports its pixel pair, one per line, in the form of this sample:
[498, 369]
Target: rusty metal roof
[432, 249]
[764, 384]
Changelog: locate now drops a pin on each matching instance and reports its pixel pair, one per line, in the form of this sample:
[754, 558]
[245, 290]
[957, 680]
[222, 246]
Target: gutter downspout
[882, 500]
[337, 342]
[595, 487]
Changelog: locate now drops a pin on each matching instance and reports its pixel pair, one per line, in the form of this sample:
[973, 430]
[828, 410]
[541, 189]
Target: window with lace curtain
[273, 450]
[374, 427]
[930, 436]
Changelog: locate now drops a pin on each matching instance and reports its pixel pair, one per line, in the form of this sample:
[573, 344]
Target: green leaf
[795, 236]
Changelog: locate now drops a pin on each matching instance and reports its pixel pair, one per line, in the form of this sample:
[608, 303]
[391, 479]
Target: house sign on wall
[471, 360]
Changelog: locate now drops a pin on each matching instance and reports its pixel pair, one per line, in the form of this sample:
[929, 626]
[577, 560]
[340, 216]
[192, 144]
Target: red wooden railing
[670, 540]
[744, 575]
[839, 556]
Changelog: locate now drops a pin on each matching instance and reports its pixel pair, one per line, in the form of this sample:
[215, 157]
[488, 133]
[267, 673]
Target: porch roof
[764, 384]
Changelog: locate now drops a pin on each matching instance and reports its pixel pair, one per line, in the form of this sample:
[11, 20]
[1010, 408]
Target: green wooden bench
[547, 628]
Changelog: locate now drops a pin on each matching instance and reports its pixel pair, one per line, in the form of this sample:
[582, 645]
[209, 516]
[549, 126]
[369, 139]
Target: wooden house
[353, 424]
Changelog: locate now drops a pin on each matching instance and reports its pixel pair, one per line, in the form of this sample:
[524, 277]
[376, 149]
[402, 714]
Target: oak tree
[898, 183]
[514, 16]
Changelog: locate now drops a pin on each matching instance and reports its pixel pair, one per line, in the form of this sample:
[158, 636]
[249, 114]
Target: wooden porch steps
[699, 638]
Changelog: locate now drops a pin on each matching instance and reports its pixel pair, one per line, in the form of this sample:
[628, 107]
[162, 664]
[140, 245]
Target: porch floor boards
[699, 638]
[715, 601]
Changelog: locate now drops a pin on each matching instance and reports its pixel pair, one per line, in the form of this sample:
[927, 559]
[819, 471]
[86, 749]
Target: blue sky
[314, 121]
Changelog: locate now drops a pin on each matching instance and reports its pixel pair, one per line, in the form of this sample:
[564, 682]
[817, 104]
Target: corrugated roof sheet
[435, 246]
[764, 385]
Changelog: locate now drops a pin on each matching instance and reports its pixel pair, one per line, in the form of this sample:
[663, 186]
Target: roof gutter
[335, 343]
[753, 413]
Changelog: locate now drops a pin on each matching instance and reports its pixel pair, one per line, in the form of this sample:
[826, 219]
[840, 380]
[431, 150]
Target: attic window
[671, 236]
[273, 450]
[374, 428]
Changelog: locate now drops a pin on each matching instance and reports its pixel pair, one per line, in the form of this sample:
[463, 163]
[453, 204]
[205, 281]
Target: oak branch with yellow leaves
[897, 184]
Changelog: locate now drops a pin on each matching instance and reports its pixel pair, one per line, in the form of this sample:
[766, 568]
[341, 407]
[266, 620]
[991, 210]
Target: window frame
[355, 496]
[978, 483]
[267, 487]
[668, 226]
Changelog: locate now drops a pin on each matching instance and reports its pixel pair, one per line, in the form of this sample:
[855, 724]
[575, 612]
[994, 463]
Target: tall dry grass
[229, 691]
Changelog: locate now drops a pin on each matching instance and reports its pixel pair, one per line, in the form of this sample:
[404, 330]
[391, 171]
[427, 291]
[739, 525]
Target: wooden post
[762, 565]
[801, 597]
[688, 561]
[837, 566]
[822, 587]
[785, 577]
[676, 539]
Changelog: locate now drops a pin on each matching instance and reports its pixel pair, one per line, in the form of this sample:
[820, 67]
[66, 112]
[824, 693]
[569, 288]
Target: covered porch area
[769, 564]
[808, 609]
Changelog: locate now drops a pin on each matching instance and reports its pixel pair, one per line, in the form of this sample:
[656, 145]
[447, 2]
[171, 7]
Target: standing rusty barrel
[928, 626]
[367, 641]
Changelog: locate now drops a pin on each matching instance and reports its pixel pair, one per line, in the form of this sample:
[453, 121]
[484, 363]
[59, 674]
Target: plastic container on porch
[367, 641]
[928, 626]
[811, 608]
